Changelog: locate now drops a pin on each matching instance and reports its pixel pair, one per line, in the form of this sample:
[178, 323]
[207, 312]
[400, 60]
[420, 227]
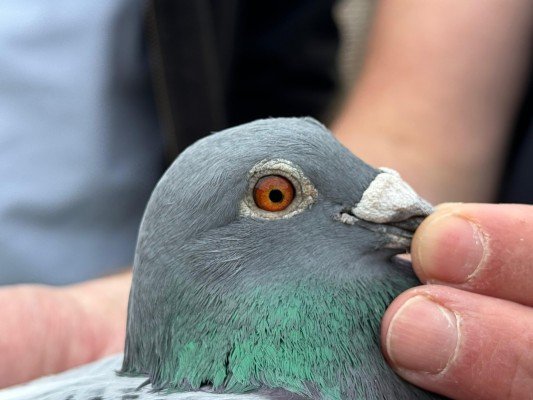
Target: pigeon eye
[273, 193]
[277, 189]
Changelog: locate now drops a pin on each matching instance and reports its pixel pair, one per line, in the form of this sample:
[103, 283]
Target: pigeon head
[265, 260]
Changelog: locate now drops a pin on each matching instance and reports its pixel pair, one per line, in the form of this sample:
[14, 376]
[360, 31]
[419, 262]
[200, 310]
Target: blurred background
[96, 98]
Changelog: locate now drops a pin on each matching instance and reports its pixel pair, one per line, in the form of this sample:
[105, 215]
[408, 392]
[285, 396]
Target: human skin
[469, 333]
[45, 329]
[438, 93]
[435, 100]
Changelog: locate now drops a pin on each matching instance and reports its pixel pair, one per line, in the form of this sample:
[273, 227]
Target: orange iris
[273, 193]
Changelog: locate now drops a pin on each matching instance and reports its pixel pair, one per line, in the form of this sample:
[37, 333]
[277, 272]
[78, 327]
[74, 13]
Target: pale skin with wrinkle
[503, 261]
[481, 238]
[495, 356]
[453, 321]
[494, 307]
[45, 330]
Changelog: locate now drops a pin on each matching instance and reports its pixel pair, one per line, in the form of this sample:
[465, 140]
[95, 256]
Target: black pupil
[275, 196]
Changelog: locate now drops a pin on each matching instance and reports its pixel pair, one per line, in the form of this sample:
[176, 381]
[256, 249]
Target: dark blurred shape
[221, 63]
[517, 182]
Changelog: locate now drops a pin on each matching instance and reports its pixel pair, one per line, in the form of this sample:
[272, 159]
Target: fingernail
[449, 248]
[422, 336]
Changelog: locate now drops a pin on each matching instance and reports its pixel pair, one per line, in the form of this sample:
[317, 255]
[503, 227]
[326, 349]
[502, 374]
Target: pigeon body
[99, 381]
[263, 268]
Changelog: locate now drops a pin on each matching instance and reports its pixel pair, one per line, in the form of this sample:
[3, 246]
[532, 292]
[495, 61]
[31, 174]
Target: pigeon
[265, 260]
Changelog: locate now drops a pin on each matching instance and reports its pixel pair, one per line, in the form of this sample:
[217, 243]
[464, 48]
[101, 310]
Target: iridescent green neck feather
[316, 339]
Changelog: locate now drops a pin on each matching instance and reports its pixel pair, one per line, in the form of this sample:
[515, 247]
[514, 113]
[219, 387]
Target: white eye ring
[305, 193]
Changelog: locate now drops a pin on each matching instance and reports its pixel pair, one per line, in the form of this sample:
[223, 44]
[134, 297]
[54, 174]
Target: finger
[484, 248]
[460, 344]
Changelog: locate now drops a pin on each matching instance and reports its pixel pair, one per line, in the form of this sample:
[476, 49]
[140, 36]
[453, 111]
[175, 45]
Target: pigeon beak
[390, 206]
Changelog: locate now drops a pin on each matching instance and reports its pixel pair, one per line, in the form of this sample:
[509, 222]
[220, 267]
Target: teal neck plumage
[315, 339]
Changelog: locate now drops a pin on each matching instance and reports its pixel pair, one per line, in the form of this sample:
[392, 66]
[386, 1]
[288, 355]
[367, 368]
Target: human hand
[45, 330]
[469, 334]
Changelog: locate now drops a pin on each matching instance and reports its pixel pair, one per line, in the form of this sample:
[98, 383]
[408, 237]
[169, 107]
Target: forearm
[45, 329]
[106, 301]
[438, 93]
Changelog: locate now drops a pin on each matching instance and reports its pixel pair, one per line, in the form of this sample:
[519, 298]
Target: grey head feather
[203, 246]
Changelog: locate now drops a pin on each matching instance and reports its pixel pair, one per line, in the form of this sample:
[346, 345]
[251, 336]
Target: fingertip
[391, 311]
[419, 334]
[426, 242]
[447, 247]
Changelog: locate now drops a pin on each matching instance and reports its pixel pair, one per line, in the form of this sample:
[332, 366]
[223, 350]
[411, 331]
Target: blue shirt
[79, 145]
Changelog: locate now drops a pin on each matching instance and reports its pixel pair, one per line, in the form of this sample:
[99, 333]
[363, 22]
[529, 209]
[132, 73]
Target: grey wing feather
[99, 381]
